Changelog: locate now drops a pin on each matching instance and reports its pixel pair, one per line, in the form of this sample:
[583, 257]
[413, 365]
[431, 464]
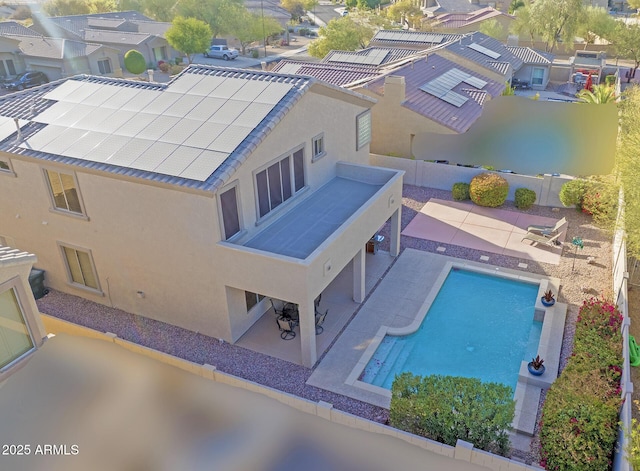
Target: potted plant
[548, 299]
[535, 366]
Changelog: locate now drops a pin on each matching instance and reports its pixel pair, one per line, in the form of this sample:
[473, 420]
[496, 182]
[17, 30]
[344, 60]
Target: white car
[221, 52]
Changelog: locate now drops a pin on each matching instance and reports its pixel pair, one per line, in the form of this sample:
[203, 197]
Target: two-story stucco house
[194, 202]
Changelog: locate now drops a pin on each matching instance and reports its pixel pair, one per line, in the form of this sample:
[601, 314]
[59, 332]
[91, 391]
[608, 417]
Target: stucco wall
[161, 240]
[393, 126]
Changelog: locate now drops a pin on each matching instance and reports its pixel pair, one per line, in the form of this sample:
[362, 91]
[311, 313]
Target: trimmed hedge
[488, 189]
[524, 198]
[134, 62]
[448, 408]
[572, 193]
[460, 191]
[579, 423]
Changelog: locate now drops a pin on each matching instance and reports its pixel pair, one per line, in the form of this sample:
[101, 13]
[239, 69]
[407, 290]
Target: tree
[218, 14]
[597, 23]
[342, 34]
[134, 62]
[626, 40]
[78, 7]
[294, 7]
[556, 20]
[161, 10]
[405, 10]
[189, 36]
[514, 5]
[598, 95]
[251, 28]
[522, 25]
[66, 7]
[492, 28]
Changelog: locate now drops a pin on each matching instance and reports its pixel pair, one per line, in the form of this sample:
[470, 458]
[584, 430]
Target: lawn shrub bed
[579, 422]
[460, 191]
[524, 198]
[447, 408]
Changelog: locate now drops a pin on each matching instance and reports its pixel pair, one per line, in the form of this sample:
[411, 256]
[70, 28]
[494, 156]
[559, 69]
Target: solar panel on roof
[137, 123]
[140, 100]
[229, 111]
[475, 82]
[181, 131]
[435, 38]
[158, 127]
[183, 106]
[454, 98]
[153, 156]
[101, 95]
[122, 96]
[274, 93]
[204, 165]
[227, 88]
[116, 120]
[134, 149]
[83, 146]
[229, 139]
[82, 92]
[205, 134]
[54, 112]
[107, 148]
[250, 90]
[206, 108]
[7, 127]
[93, 121]
[252, 115]
[184, 83]
[177, 162]
[484, 50]
[63, 90]
[160, 103]
[63, 141]
[289, 68]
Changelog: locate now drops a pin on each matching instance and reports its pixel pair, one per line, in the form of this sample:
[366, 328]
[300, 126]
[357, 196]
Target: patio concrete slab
[479, 228]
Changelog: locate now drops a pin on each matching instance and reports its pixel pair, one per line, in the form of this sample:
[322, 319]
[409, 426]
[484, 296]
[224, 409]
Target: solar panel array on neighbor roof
[374, 57]
[441, 87]
[409, 37]
[484, 50]
[185, 130]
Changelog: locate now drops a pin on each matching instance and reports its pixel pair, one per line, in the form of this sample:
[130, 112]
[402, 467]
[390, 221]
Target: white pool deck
[399, 304]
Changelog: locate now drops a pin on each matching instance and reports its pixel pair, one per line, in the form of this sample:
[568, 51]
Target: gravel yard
[578, 282]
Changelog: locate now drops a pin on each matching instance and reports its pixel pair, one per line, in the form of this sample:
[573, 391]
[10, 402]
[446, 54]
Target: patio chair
[286, 326]
[278, 307]
[544, 240]
[547, 230]
[320, 320]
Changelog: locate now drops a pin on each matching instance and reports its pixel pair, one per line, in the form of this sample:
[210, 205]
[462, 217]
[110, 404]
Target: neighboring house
[59, 58]
[431, 95]
[194, 202]
[369, 57]
[435, 7]
[483, 54]
[120, 30]
[21, 329]
[469, 22]
[536, 66]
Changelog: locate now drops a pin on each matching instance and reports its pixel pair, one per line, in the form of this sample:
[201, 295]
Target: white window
[229, 210]
[80, 268]
[15, 339]
[280, 181]
[317, 146]
[363, 129]
[64, 191]
[537, 78]
[104, 66]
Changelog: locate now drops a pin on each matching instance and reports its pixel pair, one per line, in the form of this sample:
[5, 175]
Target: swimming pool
[479, 325]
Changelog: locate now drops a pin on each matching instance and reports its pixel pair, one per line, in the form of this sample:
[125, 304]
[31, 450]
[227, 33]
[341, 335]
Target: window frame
[232, 186]
[70, 280]
[292, 180]
[19, 293]
[7, 171]
[54, 207]
[101, 62]
[259, 298]
[359, 126]
[533, 75]
[317, 156]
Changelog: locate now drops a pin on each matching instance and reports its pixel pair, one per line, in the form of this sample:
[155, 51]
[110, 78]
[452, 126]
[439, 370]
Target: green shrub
[448, 408]
[460, 191]
[579, 422]
[610, 80]
[134, 62]
[525, 198]
[488, 189]
[572, 193]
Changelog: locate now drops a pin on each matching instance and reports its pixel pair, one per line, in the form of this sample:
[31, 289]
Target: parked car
[26, 80]
[219, 51]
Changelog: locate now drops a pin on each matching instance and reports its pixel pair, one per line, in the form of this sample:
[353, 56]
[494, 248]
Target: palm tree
[599, 95]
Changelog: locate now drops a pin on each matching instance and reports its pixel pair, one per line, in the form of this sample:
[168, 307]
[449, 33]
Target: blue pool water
[479, 326]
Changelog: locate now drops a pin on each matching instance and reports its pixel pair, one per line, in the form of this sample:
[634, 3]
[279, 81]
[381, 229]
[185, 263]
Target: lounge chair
[544, 240]
[286, 328]
[547, 230]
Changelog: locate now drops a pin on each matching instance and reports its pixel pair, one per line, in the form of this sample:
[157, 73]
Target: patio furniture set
[288, 317]
[545, 235]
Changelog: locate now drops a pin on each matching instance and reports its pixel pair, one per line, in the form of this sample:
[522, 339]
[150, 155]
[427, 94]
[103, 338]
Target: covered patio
[298, 255]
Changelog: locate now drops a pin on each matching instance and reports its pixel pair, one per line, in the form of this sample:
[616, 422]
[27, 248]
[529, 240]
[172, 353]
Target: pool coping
[433, 269]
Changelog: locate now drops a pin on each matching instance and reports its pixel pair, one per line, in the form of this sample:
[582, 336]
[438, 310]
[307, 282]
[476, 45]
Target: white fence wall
[443, 176]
